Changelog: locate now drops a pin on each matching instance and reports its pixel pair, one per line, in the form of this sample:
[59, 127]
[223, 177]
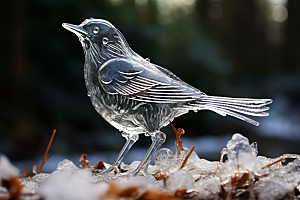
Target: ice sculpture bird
[139, 97]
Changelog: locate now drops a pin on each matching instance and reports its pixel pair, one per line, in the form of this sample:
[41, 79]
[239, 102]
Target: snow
[71, 184]
[244, 174]
[7, 170]
[208, 189]
[180, 180]
[270, 189]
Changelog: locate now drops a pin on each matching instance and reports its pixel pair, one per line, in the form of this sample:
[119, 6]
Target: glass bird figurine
[138, 97]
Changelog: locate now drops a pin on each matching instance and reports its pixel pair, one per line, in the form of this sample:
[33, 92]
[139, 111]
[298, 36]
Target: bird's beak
[78, 30]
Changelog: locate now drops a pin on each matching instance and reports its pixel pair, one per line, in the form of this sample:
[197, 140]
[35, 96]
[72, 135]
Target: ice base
[243, 176]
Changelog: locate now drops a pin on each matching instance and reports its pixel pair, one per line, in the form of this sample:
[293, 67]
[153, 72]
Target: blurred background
[237, 48]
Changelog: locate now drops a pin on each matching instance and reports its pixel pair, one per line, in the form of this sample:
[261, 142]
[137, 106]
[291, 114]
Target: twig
[25, 173]
[191, 169]
[272, 163]
[178, 143]
[46, 153]
[282, 159]
[187, 157]
[223, 152]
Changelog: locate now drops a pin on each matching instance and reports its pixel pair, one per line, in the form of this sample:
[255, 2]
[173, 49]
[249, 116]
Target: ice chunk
[65, 165]
[31, 184]
[166, 162]
[241, 158]
[29, 187]
[239, 149]
[73, 185]
[40, 178]
[7, 170]
[240, 153]
[180, 180]
[254, 146]
[133, 165]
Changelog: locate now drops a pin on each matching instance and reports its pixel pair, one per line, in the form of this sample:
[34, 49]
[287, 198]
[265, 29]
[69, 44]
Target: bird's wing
[132, 79]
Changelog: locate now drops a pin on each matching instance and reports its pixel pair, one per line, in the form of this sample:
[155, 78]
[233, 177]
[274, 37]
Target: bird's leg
[158, 139]
[130, 140]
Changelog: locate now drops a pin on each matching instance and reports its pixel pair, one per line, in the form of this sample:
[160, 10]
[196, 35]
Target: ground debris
[100, 165]
[13, 186]
[83, 162]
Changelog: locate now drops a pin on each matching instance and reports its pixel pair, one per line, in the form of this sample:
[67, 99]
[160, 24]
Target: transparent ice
[66, 165]
[139, 97]
[241, 159]
[167, 162]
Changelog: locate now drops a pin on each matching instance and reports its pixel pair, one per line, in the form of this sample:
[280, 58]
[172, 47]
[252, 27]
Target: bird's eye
[105, 40]
[96, 30]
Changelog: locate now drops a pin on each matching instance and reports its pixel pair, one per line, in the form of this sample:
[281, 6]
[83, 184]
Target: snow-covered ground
[205, 145]
[245, 175]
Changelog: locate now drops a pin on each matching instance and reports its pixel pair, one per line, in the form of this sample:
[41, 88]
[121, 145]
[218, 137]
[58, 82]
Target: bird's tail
[232, 106]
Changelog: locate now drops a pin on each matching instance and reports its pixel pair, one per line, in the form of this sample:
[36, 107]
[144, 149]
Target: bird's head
[100, 40]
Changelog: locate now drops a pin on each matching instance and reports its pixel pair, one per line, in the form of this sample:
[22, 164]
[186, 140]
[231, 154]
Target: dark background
[237, 48]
